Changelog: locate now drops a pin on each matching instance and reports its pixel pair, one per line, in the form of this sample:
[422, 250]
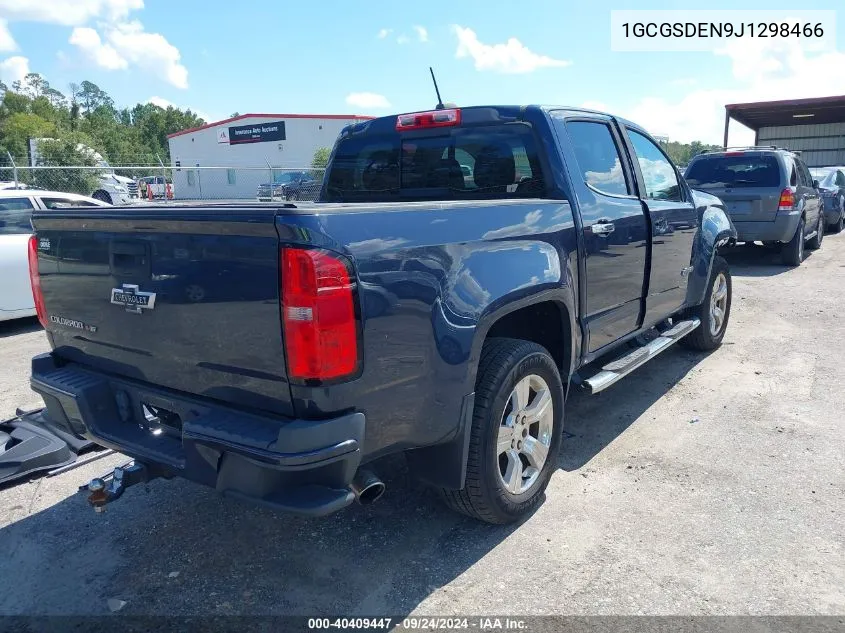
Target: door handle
[602, 228]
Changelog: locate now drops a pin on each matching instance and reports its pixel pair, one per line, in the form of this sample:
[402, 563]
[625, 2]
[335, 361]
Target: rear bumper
[781, 230]
[299, 466]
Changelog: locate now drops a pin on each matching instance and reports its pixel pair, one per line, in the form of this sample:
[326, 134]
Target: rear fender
[515, 285]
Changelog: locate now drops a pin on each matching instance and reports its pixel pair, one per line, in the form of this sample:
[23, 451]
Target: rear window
[493, 161]
[734, 171]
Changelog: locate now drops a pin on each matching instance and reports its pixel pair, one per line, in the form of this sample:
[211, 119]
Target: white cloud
[7, 42]
[510, 57]
[764, 71]
[104, 55]
[367, 100]
[163, 103]
[383, 33]
[422, 33]
[68, 12]
[403, 39]
[14, 69]
[125, 44]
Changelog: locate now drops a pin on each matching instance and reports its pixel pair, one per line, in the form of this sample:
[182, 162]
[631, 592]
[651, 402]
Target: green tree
[319, 161]
[60, 153]
[18, 128]
[34, 85]
[91, 96]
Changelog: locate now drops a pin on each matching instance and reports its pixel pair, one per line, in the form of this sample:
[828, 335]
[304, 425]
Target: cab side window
[659, 176]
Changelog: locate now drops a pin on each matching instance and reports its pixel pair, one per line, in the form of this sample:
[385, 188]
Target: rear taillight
[787, 200]
[422, 120]
[35, 281]
[318, 314]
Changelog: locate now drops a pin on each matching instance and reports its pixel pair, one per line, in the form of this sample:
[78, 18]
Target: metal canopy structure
[785, 113]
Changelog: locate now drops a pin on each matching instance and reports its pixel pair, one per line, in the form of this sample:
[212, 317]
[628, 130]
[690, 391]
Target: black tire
[703, 338]
[504, 363]
[837, 226]
[792, 253]
[102, 196]
[815, 243]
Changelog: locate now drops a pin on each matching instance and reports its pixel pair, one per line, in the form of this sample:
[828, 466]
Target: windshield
[824, 176]
[734, 171]
[286, 177]
[491, 161]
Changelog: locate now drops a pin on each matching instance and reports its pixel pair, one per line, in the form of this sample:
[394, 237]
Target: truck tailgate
[187, 299]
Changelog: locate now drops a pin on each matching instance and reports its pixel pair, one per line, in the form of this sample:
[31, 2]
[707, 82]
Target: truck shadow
[758, 261]
[593, 421]
[231, 559]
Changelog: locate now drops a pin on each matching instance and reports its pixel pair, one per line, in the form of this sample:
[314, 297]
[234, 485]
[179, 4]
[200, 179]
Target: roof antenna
[440, 105]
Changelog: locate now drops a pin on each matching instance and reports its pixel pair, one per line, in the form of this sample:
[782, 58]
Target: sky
[372, 58]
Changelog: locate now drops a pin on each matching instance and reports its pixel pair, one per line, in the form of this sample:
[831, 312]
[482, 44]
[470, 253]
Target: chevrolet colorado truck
[419, 307]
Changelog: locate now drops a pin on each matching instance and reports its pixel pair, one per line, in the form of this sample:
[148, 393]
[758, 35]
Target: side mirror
[815, 184]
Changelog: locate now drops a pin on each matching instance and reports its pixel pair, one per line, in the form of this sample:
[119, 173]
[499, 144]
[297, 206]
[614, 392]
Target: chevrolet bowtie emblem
[131, 298]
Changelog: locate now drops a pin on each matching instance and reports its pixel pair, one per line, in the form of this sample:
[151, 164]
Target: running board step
[623, 366]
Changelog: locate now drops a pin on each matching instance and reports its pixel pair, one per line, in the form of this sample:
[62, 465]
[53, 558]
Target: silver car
[769, 194]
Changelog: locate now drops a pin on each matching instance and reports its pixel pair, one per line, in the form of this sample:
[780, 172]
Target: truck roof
[494, 112]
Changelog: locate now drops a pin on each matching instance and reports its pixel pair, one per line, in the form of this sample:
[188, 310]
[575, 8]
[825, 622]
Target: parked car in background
[11, 184]
[159, 187]
[275, 352]
[16, 207]
[832, 190]
[290, 185]
[769, 194]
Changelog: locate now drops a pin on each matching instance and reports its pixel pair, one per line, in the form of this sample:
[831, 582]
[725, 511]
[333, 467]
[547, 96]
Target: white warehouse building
[249, 149]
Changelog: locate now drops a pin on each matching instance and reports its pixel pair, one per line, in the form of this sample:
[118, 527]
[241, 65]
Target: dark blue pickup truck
[463, 268]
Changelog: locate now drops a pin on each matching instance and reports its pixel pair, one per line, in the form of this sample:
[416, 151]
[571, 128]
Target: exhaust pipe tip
[367, 487]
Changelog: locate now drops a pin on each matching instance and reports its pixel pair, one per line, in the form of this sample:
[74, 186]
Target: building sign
[223, 135]
[258, 133]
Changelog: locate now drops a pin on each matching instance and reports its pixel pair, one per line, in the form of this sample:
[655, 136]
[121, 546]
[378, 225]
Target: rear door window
[479, 162]
[15, 216]
[734, 171]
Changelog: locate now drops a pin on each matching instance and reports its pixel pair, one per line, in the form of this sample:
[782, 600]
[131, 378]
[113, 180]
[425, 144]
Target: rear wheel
[792, 253]
[516, 432]
[816, 242]
[713, 312]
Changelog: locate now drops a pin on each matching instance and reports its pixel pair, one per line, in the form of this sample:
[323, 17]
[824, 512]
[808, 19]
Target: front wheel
[713, 312]
[102, 196]
[516, 432]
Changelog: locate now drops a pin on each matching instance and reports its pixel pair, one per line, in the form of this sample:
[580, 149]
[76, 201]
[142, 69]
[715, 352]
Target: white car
[16, 207]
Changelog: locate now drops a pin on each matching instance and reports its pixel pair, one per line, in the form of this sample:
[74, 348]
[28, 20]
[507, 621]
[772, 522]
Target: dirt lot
[700, 485]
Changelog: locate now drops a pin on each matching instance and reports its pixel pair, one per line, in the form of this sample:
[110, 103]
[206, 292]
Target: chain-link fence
[133, 183]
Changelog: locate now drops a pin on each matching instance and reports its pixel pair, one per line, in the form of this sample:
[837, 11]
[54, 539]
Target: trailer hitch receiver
[104, 490]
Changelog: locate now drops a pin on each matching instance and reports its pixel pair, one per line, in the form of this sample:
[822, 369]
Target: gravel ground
[702, 484]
